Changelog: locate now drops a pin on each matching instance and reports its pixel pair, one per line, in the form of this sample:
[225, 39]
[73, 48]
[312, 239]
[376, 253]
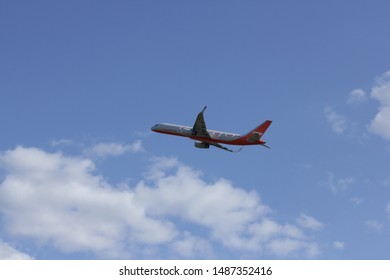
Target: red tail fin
[261, 128]
[256, 134]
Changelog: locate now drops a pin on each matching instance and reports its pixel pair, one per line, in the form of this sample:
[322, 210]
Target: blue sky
[82, 176]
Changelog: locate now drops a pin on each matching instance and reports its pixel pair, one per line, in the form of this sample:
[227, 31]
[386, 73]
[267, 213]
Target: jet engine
[202, 145]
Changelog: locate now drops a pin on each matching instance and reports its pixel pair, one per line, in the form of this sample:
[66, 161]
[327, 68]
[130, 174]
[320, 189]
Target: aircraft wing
[199, 128]
[224, 148]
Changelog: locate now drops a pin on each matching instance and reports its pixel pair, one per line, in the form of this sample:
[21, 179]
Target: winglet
[204, 109]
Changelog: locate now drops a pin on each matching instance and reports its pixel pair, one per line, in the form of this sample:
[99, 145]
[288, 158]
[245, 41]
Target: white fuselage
[186, 131]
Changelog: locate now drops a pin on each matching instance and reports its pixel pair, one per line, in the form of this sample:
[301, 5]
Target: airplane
[205, 138]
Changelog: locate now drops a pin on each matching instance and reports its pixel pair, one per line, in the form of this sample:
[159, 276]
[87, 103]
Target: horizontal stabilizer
[264, 145]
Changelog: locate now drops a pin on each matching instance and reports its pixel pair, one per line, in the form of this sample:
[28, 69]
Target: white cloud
[339, 185]
[338, 245]
[282, 240]
[309, 222]
[218, 206]
[375, 225]
[380, 125]
[287, 246]
[357, 96]
[59, 201]
[56, 199]
[192, 247]
[161, 166]
[9, 253]
[103, 150]
[356, 200]
[60, 142]
[337, 122]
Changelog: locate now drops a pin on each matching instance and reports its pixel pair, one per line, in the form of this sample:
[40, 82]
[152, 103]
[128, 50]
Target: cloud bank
[60, 201]
[7, 252]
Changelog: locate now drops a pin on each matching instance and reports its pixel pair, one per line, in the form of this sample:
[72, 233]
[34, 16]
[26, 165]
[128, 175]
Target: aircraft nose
[153, 128]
